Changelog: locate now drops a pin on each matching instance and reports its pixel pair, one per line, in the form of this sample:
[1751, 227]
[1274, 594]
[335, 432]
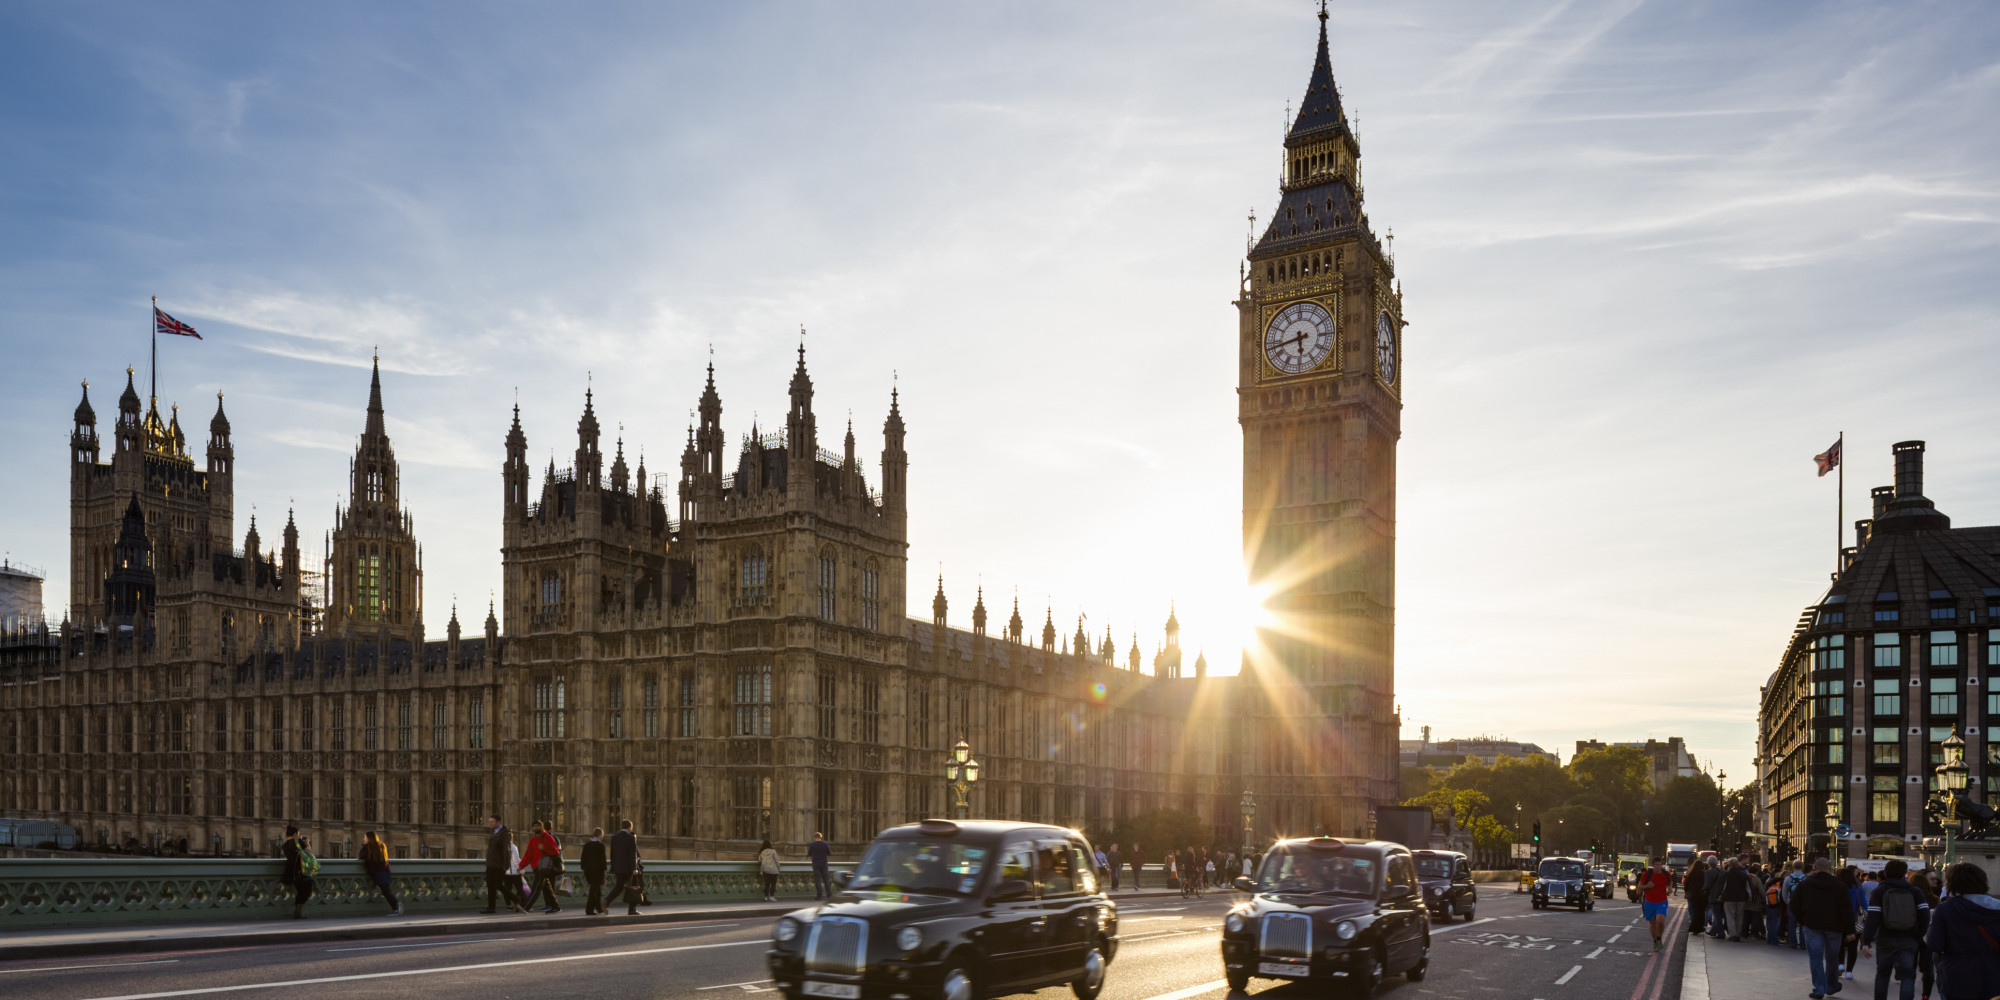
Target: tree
[1159, 831]
[1416, 781]
[1493, 838]
[1686, 811]
[1615, 781]
[1573, 828]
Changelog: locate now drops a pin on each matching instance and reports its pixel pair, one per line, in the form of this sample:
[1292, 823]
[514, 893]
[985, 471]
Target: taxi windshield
[1433, 867]
[1302, 869]
[921, 866]
[1553, 868]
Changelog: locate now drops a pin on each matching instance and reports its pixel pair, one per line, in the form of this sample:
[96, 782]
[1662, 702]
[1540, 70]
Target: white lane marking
[1573, 970]
[1594, 954]
[1166, 934]
[745, 986]
[1192, 991]
[420, 944]
[427, 972]
[1613, 939]
[1459, 927]
[1134, 920]
[102, 965]
[1154, 909]
[671, 927]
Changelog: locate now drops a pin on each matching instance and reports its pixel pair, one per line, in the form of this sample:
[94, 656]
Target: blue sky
[1655, 256]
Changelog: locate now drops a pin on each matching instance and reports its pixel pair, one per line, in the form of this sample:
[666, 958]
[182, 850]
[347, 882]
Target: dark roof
[1319, 113]
[1306, 216]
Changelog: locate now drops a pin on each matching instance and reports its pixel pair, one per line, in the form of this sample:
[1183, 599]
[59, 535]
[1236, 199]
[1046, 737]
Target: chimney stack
[1882, 495]
[1909, 469]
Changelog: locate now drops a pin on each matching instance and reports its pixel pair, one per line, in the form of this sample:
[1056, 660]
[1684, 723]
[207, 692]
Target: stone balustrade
[48, 892]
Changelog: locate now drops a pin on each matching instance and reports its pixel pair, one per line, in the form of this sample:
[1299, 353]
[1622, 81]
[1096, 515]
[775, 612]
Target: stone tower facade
[374, 571]
[1319, 400]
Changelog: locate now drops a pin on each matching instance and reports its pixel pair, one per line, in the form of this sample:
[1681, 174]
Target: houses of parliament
[732, 661]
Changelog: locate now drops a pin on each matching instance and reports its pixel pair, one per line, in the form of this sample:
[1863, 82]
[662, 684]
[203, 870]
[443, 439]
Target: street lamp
[961, 771]
[1833, 822]
[1951, 781]
[1249, 807]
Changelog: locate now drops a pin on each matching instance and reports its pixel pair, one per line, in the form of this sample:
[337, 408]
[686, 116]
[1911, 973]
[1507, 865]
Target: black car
[1563, 882]
[1331, 911]
[1446, 877]
[955, 911]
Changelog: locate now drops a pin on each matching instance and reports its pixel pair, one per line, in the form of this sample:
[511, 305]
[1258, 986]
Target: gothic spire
[374, 428]
[1320, 109]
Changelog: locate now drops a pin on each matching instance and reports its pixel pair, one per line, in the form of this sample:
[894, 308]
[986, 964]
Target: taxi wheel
[1369, 979]
[1447, 914]
[1238, 981]
[1091, 983]
[1470, 913]
[1416, 972]
[957, 985]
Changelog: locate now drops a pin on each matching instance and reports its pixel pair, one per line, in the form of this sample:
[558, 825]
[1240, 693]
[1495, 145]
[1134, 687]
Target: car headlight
[786, 929]
[1234, 923]
[909, 938]
[1345, 930]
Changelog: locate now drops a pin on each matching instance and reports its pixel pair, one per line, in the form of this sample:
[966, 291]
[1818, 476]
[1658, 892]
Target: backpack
[1772, 892]
[1898, 905]
[308, 865]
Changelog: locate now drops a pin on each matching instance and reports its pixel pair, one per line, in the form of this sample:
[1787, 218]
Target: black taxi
[1562, 882]
[1446, 877]
[1331, 911]
[954, 911]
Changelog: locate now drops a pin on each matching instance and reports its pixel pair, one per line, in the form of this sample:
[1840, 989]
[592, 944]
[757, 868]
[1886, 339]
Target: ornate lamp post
[1951, 781]
[961, 771]
[1832, 823]
[1249, 807]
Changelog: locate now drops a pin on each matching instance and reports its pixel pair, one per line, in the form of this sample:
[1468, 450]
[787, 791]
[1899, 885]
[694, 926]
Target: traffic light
[1538, 837]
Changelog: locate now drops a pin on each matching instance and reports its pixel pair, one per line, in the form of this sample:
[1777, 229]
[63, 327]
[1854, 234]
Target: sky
[1654, 257]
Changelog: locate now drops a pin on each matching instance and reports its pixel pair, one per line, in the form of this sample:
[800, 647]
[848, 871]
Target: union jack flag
[163, 323]
[1828, 459]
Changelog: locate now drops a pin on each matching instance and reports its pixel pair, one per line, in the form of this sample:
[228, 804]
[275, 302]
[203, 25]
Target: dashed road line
[1613, 939]
[1192, 991]
[421, 944]
[100, 965]
[1594, 954]
[1573, 970]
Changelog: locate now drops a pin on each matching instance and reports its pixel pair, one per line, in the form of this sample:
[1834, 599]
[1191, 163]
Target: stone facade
[741, 667]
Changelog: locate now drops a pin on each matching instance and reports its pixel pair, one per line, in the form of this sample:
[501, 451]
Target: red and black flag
[163, 323]
[1829, 459]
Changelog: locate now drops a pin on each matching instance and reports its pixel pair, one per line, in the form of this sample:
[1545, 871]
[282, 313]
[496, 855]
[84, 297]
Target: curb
[263, 934]
[1694, 969]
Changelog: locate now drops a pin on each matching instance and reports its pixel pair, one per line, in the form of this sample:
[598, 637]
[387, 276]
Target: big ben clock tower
[1319, 395]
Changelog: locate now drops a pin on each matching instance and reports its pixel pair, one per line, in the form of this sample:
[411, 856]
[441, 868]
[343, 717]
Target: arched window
[551, 593]
[754, 582]
[827, 571]
[871, 597]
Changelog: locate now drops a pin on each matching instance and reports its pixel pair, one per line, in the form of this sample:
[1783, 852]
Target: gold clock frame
[1329, 365]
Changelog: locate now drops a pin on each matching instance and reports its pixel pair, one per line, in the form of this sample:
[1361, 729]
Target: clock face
[1385, 348]
[1299, 338]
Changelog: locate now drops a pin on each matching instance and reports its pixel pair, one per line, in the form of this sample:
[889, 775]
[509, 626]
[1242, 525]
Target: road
[1169, 951]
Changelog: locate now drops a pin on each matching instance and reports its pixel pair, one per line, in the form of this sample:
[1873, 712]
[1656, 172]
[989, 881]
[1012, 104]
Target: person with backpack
[1926, 885]
[1753, 911]
[1964, 936]
[1789, 885]
[768, 870]
[375, 861]
[300, 869]
[1898, 916]
[1694, 882]
[544, 859]
[1735, 892]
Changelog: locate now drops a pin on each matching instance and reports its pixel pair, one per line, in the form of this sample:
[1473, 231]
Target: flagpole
[154, 393]
[1840, 503]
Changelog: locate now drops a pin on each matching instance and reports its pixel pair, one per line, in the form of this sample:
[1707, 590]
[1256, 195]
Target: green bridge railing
[45, 892]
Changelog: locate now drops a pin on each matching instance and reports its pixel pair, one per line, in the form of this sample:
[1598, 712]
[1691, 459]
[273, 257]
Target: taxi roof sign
[938, 827]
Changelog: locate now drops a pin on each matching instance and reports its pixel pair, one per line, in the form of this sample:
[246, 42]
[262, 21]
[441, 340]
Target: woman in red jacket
[543, 859]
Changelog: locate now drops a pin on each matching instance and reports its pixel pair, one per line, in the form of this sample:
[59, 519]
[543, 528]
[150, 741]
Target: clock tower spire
[1319, 400]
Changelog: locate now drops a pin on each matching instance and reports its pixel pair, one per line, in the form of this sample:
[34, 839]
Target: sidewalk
[71, 942]
[1725, 970]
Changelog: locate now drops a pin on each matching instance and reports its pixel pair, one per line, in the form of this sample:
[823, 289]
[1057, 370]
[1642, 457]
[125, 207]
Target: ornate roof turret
[618, 469]
[374, 428]
[1173, 623]
[978, 604]
[1014, 621]
[1049, 629]
[1320, 111]
[84, 414]
[218, 425]
[128, 401]
[938, 603]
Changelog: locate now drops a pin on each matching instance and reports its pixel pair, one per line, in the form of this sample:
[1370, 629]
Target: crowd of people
[1192, 868]
[1934, 934]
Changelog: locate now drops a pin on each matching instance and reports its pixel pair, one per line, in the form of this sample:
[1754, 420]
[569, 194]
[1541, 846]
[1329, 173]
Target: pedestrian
[1115, 861]
[1857, 899]
[1736, 891]
[1789, 886]
[1208, 872]
[1774, 907]
[1654, 887]
[767, 870]
[501, 882]
[543, 863]
[1138, 862]
[593, 871]
[1103, 866]
[300, 868]
[1753, 909]
[1824, 913]
[375, 861]
[820, 853]
[1898, 916]
[1718, 917]
[1962, 936]
[1694, 883]
[625, 869]
[1925, 882]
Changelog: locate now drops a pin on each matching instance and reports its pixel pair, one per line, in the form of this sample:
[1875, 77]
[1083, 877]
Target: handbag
[564, 886]
[635, 889]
